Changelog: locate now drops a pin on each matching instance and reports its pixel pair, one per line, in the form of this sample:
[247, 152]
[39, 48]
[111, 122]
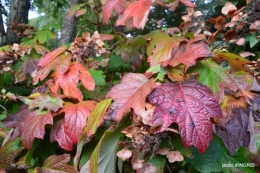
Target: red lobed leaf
[61, 63]
[188, 52]
[69, 81]
[67, 132]
[139, 10]
[47, 58]
[33, 126]
[131, 93]
[190, 105]
[107, 9]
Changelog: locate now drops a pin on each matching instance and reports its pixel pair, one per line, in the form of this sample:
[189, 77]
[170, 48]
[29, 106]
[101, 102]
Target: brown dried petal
[174, 156]
[162, 151]
[124, 154]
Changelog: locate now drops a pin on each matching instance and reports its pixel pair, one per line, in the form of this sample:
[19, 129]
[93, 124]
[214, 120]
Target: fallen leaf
[131, 93]
[189, 104]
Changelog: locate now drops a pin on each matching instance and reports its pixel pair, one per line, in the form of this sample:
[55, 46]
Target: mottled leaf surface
[130, 93]
[188, 52]
[215, 77]
[57, 164]
[236, 62]
[160, 47]
[190, 105]
[67, 132]
[52, 103]
[138, 10]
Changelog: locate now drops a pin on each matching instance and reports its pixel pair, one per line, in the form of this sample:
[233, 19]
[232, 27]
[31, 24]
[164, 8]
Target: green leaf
[210, 160]
[114, 63]
[103, 158]
[46, 101]
[94, 120]
[9, 152]
[252, 40]
[215, 77]
[158, 161]
[73, 10]
[98, 77]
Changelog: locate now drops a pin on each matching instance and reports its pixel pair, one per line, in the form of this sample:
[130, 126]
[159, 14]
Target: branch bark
[19, 11]
[69, 27]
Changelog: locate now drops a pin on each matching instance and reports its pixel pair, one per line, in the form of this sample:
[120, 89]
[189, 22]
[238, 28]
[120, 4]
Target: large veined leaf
[29, 124]
[67, 132]
[215, 77]
[189, 104]
[95, 119]
[138, 10]
[131, 93]
[160, 47]
[103, 158]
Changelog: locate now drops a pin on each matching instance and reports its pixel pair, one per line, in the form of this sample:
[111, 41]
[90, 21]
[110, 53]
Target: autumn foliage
[174, 96]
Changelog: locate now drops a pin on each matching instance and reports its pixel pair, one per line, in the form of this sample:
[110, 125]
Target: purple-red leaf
[67, 132]
[131, 93]
[47, 58]
[190, 105]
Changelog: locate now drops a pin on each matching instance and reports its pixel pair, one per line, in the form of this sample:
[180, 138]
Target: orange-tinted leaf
[57, 164]
[188, 3]
[188, 52]
[236, 62]
[139, 10]
[105, 37]
[131, 93]
[189, 104]
[85, 77]
[67, 132]
[69, 81]
[107, 9]
[61, 63]
[47, 58]
[160, 47]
